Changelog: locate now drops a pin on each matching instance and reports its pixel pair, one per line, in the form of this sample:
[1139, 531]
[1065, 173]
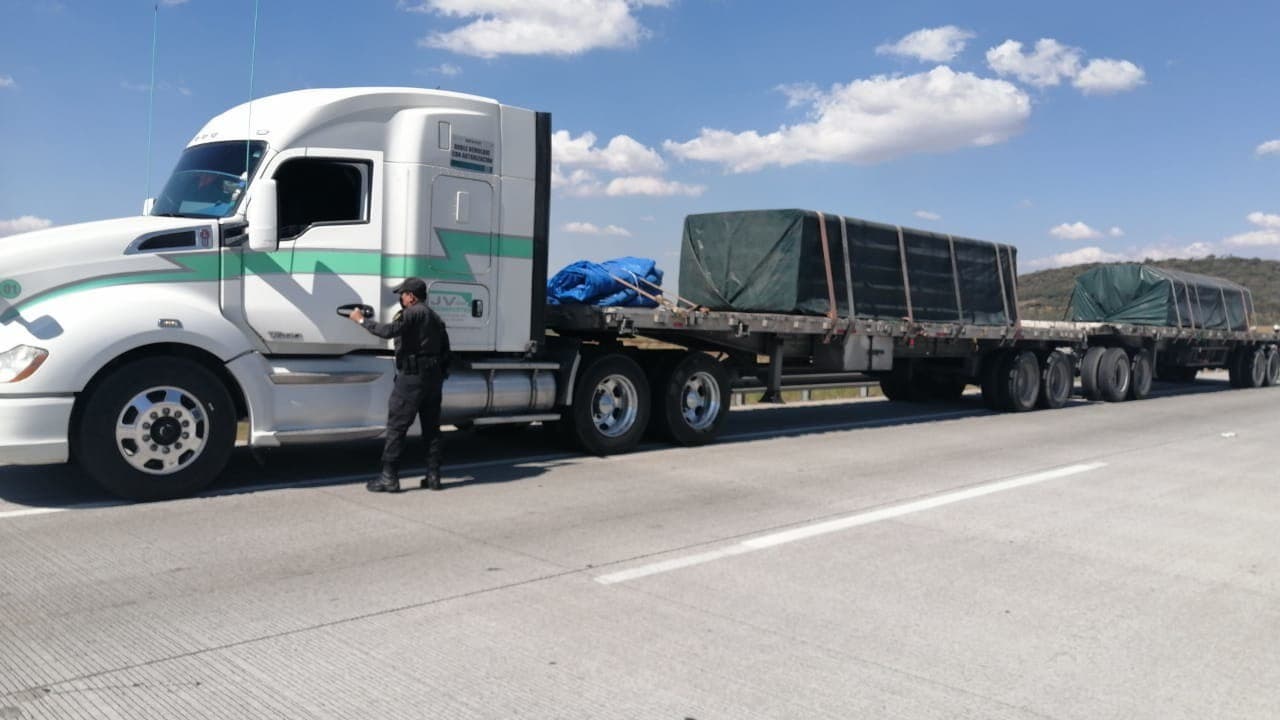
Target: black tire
[1089, 373]
[178, 423]
[899, 385]
[994, 392]
[1142, 373]
[1057, 380]
[1020, 375]
[610, 406]
[1237, 368]
[1114, 375]
[1273, 368]
[1256, 360]
[691, 405]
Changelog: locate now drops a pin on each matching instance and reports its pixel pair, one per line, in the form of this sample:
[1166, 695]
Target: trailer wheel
[1257, 368]
[898, 385]
[1273, 368]
[610, 406]
[1057, 379]
[1142, 375]
[1114, 375]
[1089, 373]
[690, 406]
[156, 429]
[1020, 376]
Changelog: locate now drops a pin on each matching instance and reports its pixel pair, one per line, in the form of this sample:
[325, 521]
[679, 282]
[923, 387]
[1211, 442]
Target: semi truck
[136, 347]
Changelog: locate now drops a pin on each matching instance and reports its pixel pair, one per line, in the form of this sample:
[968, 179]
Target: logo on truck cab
[10, 289]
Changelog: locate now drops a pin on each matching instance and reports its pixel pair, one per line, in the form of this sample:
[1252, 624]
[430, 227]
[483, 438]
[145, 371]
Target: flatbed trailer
[1019, 367]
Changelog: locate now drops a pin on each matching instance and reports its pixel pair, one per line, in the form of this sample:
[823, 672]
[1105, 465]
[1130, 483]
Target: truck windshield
[209, 180]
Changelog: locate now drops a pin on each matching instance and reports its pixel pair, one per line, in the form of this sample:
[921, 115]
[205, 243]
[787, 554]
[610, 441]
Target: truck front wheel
[610, 406]
[156, 429]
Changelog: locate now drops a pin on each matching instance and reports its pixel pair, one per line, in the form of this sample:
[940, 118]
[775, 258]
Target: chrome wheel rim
[700, 401]
[162, 430]
[614, 405]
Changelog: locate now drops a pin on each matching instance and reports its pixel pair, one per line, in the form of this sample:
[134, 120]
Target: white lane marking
[27, 512]
[844, 523]
[31, 511]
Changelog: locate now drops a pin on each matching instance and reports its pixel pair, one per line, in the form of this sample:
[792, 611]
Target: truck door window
[320, 191]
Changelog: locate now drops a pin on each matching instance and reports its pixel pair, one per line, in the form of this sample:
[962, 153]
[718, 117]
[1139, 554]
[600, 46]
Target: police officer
[422, 356]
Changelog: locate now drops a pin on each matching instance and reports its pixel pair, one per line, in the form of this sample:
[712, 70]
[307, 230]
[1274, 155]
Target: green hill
[1044, 295]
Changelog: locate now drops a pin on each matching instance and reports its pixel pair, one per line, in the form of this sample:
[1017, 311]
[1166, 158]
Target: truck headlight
[20, 362]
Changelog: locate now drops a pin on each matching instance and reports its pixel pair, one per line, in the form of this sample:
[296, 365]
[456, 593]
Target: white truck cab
[135, 345]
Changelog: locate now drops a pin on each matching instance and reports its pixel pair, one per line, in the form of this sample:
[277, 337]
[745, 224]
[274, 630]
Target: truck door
[330, 253]
[460, 265]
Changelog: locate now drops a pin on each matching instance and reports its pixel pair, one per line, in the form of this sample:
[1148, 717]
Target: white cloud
[623, 155]
[162, 87]
[1266, 220]
[1052, 62]
[1269, 234]
[1104, 77]
[650, 185]
[1166, 251]
[1047, 66]
[1074, 231]
[447, 69]
[1116, 232]
[26, 223]
[1270, 147]
[1090, 254]
[7, 81]
[874, 120]
[927, 215]
[534, 27]
[586, 228]
[940, 44]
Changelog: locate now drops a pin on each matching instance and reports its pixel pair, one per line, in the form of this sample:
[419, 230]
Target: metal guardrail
[739, 394]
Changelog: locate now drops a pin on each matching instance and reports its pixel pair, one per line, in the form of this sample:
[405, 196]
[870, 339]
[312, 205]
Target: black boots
[432, 480]
[388, 481]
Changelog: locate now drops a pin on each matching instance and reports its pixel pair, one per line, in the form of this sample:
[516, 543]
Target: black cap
[413, 285]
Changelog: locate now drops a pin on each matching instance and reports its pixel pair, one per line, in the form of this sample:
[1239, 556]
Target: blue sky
[1076, 131]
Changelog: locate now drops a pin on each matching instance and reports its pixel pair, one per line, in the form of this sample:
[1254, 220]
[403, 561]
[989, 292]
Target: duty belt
[417, 363]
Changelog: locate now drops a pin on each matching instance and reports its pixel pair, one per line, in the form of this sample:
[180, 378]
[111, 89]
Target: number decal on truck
[10, 289]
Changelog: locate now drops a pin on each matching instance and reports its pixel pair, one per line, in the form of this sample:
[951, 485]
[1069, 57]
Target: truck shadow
[500, 455]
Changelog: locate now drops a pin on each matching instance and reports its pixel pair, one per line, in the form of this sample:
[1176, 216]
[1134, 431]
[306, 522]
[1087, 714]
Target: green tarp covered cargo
[1145, 295]
[800, 261]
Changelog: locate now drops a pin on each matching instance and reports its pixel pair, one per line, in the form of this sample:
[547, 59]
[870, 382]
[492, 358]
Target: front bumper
[34, 430]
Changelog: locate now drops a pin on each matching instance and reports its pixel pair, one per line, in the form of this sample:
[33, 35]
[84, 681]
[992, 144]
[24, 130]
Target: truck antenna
[253, 52]
[151, 95]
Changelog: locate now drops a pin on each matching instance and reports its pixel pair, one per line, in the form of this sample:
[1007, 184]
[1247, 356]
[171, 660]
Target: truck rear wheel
[1115, 377]
[1257, 367]
[610, 405]
[156, 429]
[1089, 373]
[690, 405]
[1020, 374]
[1143, 373]
[1057, 379]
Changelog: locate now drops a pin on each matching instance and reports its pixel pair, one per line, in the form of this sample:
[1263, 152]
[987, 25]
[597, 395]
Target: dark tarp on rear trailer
[782, 261]
[1146, 295]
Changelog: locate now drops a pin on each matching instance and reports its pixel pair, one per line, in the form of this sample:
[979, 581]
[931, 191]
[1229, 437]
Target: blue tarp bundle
[588, 283]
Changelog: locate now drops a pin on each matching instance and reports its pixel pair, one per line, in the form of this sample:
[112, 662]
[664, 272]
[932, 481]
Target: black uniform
[422, 355]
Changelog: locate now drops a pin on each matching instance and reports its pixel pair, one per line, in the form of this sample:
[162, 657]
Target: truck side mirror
[147, 205]
[264, 225]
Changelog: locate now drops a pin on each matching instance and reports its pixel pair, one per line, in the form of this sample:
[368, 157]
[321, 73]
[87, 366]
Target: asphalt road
[841, 560]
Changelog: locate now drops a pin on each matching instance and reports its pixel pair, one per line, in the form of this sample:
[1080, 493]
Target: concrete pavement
[1145, 586]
